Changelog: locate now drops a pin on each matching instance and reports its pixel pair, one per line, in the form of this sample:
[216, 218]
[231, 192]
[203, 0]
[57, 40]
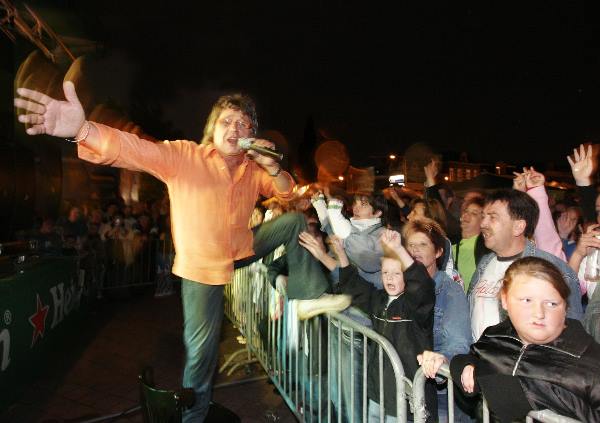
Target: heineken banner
[37, 304]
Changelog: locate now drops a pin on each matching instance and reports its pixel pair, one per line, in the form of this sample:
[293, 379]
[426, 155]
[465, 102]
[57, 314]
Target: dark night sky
[501, 83]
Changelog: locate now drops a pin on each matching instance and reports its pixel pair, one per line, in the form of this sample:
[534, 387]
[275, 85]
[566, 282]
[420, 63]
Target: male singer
[213, 188]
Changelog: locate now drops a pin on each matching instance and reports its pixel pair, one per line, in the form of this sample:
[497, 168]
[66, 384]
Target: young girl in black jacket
[536, 358]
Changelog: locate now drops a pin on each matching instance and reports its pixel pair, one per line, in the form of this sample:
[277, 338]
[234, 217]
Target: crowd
[109, 240]
[433, 272]
[493, 283]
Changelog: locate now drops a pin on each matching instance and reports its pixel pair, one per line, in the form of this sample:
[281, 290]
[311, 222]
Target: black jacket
[563, 376]
[407, 322]
[452, 228]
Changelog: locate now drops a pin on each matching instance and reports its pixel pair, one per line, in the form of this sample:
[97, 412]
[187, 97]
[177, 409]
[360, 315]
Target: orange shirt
[210, 209]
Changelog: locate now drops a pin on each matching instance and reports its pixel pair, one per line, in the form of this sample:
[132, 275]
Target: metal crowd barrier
[544, 416]
[299, 356]
[131, 263]
[308, 367]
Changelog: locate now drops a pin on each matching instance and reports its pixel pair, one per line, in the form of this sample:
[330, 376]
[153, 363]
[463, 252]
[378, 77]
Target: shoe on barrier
[325, 303]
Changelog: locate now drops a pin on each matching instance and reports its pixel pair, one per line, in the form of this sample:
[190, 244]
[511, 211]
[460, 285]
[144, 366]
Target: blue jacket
[451, 320]
[575, 310]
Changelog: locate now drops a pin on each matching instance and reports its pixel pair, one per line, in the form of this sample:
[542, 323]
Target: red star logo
[38, 320]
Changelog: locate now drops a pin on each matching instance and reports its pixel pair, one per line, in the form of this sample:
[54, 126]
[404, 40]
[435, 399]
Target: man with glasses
[212, 188]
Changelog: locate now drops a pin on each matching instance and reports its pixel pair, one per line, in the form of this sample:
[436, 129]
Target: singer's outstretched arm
[96, 143]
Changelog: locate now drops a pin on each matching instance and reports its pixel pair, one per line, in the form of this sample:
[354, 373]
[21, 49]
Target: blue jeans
[459, 415]
[203, 304]
[202, 318]
[340, 361]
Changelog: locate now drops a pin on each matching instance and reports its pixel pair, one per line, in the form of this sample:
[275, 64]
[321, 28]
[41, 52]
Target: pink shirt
[210, 209]
[545, 236]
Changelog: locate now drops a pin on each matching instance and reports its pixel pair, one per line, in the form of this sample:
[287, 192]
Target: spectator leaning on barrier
[510, 217]
[425, 241]
[537, 358]
[346, 353]
[402, 312]
[213, 188]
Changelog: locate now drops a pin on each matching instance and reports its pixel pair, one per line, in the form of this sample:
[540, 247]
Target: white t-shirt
[588, 286]
[486, 297]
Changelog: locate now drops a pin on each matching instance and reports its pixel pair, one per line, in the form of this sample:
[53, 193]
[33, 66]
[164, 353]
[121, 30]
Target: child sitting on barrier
[536, 358]
[402, 312]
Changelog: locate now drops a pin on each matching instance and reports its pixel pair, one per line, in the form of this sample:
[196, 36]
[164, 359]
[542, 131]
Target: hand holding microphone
[250, 144]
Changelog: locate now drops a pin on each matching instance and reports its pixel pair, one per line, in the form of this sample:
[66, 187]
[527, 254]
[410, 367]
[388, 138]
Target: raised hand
[312, 244]
[317, 196]
[588, 240]
[391, 239]
[533, 178]
[565, 225]
[582, 165]
[47, 115]
[519, 183]
[337, 244]
[431, 171]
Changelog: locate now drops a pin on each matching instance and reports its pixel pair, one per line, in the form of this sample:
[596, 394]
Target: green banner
[38, 305]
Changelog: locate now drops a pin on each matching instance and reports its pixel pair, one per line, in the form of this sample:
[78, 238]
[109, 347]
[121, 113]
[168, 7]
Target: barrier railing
[130, 263]
[308, 368]
[544, 416]
[320, 366]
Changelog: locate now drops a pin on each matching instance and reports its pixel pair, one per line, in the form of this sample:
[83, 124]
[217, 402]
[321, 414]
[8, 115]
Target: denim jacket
[451, 321]
[575, 310]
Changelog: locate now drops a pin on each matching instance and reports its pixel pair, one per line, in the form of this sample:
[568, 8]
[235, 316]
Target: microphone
[248, 144]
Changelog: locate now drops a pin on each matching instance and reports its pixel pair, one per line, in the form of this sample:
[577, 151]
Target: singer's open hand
[46, 115]
[268, 163]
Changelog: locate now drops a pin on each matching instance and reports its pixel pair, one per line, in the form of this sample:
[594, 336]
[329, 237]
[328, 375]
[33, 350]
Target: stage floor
[96, 374]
